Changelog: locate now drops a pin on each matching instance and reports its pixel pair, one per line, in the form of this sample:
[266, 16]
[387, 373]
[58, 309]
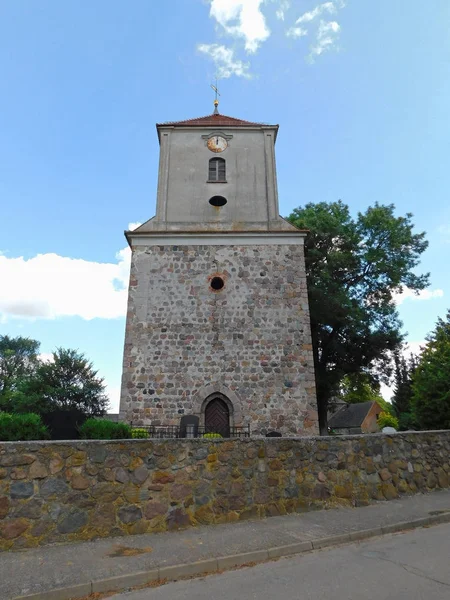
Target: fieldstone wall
[68, 491]
[250, 341]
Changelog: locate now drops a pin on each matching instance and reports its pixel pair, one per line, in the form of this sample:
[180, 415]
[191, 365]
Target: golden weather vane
[216, 100]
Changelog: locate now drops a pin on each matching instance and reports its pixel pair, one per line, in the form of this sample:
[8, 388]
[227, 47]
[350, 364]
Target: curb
[222, 563]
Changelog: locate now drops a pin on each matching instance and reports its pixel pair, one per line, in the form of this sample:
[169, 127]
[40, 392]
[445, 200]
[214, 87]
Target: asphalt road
[408, 566]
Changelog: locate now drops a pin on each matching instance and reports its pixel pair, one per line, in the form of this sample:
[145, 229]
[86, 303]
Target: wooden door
[217, 418]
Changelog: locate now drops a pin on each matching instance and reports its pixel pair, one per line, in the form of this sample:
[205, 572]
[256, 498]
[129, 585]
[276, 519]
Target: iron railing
[192, 431]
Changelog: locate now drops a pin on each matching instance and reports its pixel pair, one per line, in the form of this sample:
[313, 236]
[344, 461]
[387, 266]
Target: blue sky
[360, 89]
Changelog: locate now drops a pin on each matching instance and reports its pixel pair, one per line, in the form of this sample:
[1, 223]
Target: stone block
[130, 514]
[32, 509]
[72, 520]
[52, 487]
[78, 482]
[13, 528]
[4, 506]
[177, 519]
[389, 491]
[21, 489]
[162, 477]
[37, 471]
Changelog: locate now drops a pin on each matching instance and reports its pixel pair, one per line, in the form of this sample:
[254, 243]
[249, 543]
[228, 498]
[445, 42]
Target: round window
[217, 201]
[217, 283]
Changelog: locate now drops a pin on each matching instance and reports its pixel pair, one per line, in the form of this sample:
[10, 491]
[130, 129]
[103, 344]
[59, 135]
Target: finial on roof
[216, 101]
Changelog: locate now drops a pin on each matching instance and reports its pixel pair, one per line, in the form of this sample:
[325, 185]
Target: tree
[402, 398]
[18, 361]
[354, 267]
[358, 387]
[431, 380]
[67, 382]
[385, 419]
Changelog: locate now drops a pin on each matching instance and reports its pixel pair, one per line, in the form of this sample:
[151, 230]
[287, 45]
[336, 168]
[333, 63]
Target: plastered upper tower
[218, 320]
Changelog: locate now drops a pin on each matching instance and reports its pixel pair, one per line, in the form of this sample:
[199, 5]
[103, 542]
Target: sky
[360, 90]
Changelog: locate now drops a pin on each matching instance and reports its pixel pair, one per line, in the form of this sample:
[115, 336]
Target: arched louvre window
[217, 171]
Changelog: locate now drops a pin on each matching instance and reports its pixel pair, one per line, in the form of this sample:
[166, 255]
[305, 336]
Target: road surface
[409, 566]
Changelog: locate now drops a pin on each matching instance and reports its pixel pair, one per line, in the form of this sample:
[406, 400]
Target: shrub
[211, 435]
[387, 420]
[102, 429]
[139, 433]
[24, 427]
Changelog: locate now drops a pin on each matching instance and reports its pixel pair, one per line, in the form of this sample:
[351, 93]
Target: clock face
[217, 143]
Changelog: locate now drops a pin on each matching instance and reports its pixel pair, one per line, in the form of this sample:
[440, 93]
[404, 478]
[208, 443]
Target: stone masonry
[249, 341]
[68, 491]
[236, 356]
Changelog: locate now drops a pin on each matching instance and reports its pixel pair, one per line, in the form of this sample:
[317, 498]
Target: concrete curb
[222, 563]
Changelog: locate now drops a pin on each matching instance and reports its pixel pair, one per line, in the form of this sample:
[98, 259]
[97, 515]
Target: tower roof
[214, 120]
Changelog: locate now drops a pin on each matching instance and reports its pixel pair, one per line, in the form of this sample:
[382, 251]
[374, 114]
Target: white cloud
[113, 393]
[281, 11]
[414, 348]
[422, 295]
[48, 286]
[242, 19]
[326, 32]
[133, 226]
[46, 357]
[326, 38]
[386, 391]
[309, 16]
[225, 61]
[296, 32]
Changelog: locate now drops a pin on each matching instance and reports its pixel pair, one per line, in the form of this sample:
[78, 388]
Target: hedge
[22, 427]
[102, 429]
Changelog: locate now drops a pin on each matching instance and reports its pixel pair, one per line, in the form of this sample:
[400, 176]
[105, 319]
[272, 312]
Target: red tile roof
[214, 120]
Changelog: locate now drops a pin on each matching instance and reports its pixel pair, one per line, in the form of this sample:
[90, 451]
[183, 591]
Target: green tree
[402, 398]
[359, 387]
[354, 267]
[431, 380]
[18, 361]
[66, 382]
[386, 419]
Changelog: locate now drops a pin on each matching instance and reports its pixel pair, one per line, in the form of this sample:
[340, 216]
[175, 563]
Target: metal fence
[192, 431]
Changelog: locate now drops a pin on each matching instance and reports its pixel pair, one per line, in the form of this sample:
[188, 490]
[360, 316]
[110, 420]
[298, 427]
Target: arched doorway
[217, 417]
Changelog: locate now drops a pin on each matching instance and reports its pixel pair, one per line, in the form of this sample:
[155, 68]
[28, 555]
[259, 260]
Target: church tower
[218, 321]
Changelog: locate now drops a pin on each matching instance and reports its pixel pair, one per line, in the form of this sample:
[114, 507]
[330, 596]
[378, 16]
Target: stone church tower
[218, 321]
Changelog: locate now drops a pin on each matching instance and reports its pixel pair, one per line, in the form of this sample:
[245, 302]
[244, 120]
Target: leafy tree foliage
[402, 399]
[385, 419]
[354, 267]
[18, 361]
[66, 382]
[359, 387]
[431, 380]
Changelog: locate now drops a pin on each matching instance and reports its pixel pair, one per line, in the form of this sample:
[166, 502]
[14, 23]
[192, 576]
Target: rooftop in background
[351, 415]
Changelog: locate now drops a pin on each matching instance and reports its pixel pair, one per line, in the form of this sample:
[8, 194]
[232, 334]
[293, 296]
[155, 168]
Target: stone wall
[250, 341]
[67, 491]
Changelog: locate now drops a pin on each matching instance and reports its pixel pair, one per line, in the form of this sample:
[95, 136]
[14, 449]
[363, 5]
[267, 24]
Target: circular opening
[217, 283]
[217, 201]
